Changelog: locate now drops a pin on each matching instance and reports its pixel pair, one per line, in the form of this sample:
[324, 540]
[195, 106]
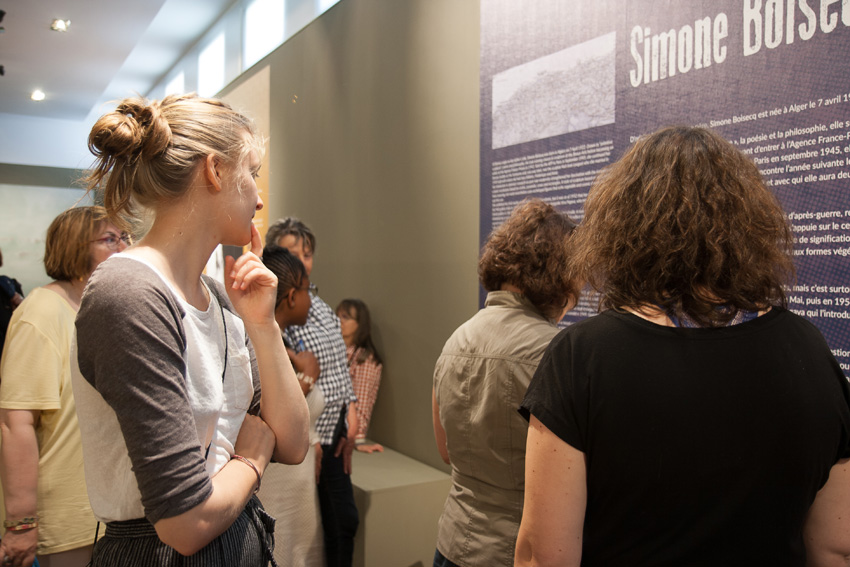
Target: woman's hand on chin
[250, 285]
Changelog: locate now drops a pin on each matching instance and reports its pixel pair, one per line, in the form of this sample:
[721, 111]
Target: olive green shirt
[479, 382]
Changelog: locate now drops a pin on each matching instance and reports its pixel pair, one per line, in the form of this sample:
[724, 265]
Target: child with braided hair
[295, 499]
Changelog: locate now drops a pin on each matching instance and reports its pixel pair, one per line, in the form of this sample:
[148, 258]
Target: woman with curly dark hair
[695, 421]
[481, 377]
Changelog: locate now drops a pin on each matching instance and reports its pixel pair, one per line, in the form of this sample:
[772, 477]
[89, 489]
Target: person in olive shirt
[481, 377]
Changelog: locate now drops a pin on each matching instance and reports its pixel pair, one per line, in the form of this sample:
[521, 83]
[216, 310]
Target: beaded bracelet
[309, 380]
[253, 466]
[21, 525]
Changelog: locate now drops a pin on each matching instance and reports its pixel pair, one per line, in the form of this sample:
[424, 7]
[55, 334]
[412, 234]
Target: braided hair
[286, 266]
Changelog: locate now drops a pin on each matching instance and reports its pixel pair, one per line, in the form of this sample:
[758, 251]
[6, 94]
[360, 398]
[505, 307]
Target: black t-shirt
[703, 446]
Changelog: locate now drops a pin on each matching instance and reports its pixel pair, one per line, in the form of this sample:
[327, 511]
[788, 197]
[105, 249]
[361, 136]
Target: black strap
[96, 531]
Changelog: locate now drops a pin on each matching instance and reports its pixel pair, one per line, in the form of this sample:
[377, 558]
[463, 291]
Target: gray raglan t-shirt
[147, 379]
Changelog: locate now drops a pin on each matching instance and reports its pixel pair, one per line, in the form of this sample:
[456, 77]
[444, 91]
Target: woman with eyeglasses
[294, 497]
[184, 389]
[46, 509]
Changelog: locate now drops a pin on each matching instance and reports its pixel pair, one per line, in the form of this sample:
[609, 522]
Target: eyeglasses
[111, 240]
[311, 288]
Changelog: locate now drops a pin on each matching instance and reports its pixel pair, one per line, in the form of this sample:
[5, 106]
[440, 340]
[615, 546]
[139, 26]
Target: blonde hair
[147, 151]
[66, 249]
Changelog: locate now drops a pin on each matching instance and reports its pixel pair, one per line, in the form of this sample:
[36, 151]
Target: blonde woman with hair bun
[176, 433]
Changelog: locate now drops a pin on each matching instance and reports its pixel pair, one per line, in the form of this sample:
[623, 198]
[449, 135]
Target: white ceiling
[113, 48]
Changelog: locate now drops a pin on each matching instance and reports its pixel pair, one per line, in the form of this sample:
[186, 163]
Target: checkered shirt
[322, 336]
[365, 377]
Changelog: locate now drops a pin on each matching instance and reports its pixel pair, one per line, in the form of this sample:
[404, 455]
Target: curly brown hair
[530, 252]
[684, 222]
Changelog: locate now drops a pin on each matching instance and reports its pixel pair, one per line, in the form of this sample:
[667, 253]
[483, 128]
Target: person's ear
[290, 298]
[212, 171]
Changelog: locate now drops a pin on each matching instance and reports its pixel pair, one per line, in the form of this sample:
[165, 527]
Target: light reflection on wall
[25, 216]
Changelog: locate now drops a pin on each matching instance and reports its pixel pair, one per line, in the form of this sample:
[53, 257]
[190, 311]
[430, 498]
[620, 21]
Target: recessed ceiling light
[37, 95]
[60, 25]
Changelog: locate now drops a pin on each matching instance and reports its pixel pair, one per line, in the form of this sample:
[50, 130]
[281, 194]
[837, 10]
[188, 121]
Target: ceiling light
[37, 95]
[60, 25]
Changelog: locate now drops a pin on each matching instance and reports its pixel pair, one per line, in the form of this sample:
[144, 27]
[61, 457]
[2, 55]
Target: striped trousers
[248, 542]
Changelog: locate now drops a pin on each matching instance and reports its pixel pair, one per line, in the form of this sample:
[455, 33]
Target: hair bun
[114, 135]
[133, 129]
[156, 135]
